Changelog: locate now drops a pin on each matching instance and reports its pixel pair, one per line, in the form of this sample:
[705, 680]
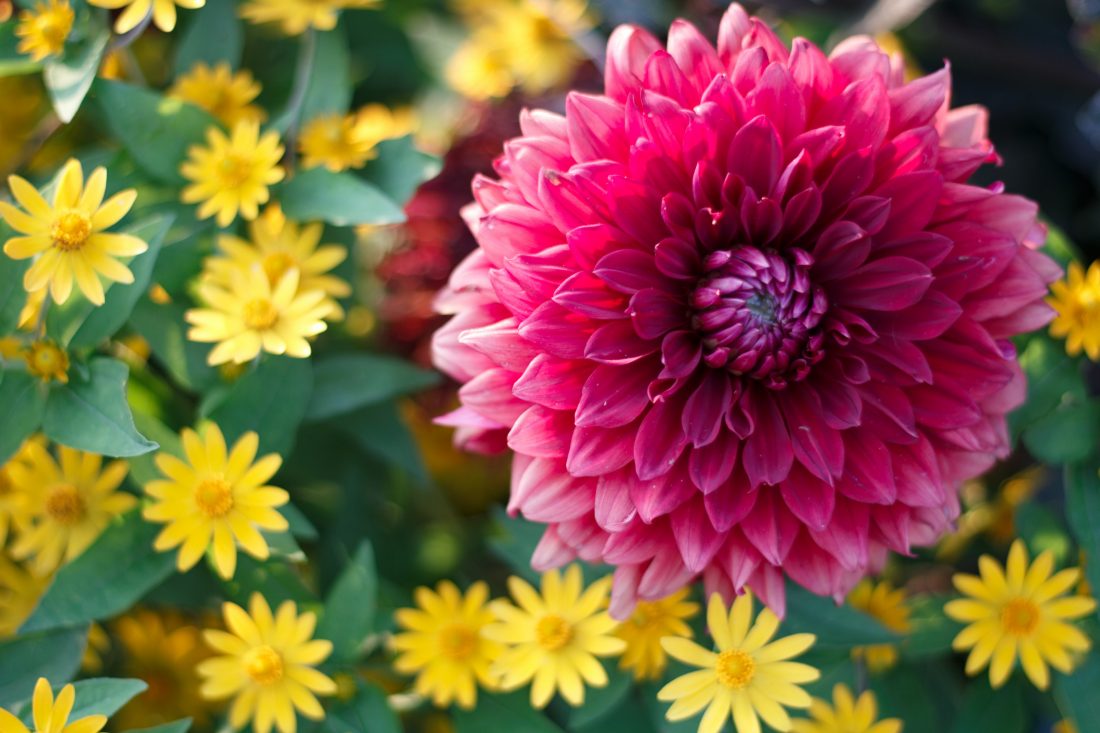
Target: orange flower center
[214, 497]
[276, 264]
[260, 314]
[735, 669]
[1020, 616]
[236, 170]
[64, 504]
[457, 641]
[70, 231]
[553, 632]
[264, 665]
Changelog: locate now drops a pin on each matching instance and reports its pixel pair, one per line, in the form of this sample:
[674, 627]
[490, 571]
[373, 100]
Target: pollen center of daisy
[264, 665]
[260, 314]
[1020, 616]
[553, 632]
[64, 504]
[275, 266]
[457, 641]
[235, 170]
[70, 231]
[214, 497]
[735, 669]
[46, 360]
[759, 315]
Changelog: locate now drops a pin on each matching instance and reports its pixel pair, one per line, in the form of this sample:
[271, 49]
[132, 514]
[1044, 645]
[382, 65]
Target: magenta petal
[657, 497]
[731, 503]
[767, 454]
[552, 382]
[596, 451]
[614, 395]
[660, 439]
[809, 498]
[697, 540]
[757, 154]
[614, 508]
[712, 464]
[770, 527]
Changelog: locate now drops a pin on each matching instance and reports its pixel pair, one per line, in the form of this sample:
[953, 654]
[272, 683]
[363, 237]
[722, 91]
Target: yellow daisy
[69, 503]
[553, 638]
[747, 678]
[68, 237]
[885, 603]
[337, 142]
[47, 361]
[1019, 610]
[643, 631]
[13, 503]
[479, 70]
[32, 309]
[44, 29]
[218, 498]
[297, 16]
[226, 94]
[268, 666]
[52, 716]
[232, 174]
[1077, 303]
[252, 315]
[444, 646]
[164, 12]
[20, 591]
[846, 715]
[278, 245]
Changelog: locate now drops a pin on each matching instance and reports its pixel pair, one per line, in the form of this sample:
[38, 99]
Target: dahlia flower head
[741, 316]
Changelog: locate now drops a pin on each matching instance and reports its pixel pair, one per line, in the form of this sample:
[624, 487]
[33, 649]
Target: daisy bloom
[443, 644]
[747, 678]
[68, 237]
[224, 93]
[47, 361]
[52, 716]
[1076, 299]
[337, 142]
[69, 502]
[252, 314]
[218, 498]
[554, 637]
[297, 16]
[20, 591]
[44, 29]
[164, 12]
[278, 245]
[846, 715]
[1020, 610]
[887, 604]
[267, 666]
[1064, 726]
[13, 503]
[232, 174]
[651, 622]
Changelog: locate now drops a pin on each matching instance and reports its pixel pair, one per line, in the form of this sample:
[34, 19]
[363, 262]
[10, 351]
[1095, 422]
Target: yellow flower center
[276, 264]
[1020, 616]
[64, 504]
[735, 669]
[457, 641]
[260, 314]
[553, 632]
[47, 361]
[214, 497]
[236, 170]
[264, 665]
[70, 231]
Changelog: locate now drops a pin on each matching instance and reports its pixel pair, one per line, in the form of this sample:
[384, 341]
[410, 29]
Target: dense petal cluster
[742, 316]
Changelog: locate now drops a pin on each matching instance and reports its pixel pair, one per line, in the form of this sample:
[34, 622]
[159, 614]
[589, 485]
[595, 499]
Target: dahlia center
[236, 170]
[214, 497]
[457, 641]
[1020, 616]
[260, 314]
[70, 231]
[553, 632]
[264, 665]
[759, 315]
[735, 669]
[275, 266]
[64, 504]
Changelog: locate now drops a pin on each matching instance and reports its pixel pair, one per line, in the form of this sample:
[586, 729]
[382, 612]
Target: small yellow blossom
[339, 142]
[1019, 611]
[651, 622]
[44, 29]
[163, 11]
[20, 591]
[13, 502]
[444, 646]
[226, 94]
[47, 361]
[295, 17]
[554, 637]
[883, 602]
[747, 678]
[232, 175]
[218, 498]
[52, 716]
[1077, 303]
[268, 666]
[68, 237]
[846, 715]
[32, 309]
[1064, 726]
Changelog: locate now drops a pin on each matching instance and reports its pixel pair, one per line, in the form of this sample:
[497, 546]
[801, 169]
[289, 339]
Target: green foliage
[69, 78]
[54, 655]
[342, 199]
[213, 35]
[367, 711]
[351, 605]
[12, 295]
[24, 401]
[834, 625]
[104, 696]
[346, 382]
[503, 712]
[1076, 694]
[1083, 512]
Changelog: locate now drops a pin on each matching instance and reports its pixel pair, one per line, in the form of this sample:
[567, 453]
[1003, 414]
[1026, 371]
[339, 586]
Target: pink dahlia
[742, 316]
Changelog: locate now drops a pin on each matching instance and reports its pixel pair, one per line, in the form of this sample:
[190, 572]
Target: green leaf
[164, 328]
[932, 631]
[599, 702]
[400, 168]
[155, 130]
[213, 35]
[104, 696]
[380, 431]
[12, 62]
[346, 382]
[93, 415]
[329, 89]
[80, 324]
[1052, 379]
[108, 578]
[1083, 512]
[176, 726]
[342, 199]
[367, 711]
[69, 78]
[24, 400]
[271, 399]
[351, 606]
[516, 543]
[503, 712]
[1068, 434]
[903, 692]
[54, 655]
[12, 295]
[985, 710]
[835, 626]
[275, 580]
[1076, 695]
[657, 709]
